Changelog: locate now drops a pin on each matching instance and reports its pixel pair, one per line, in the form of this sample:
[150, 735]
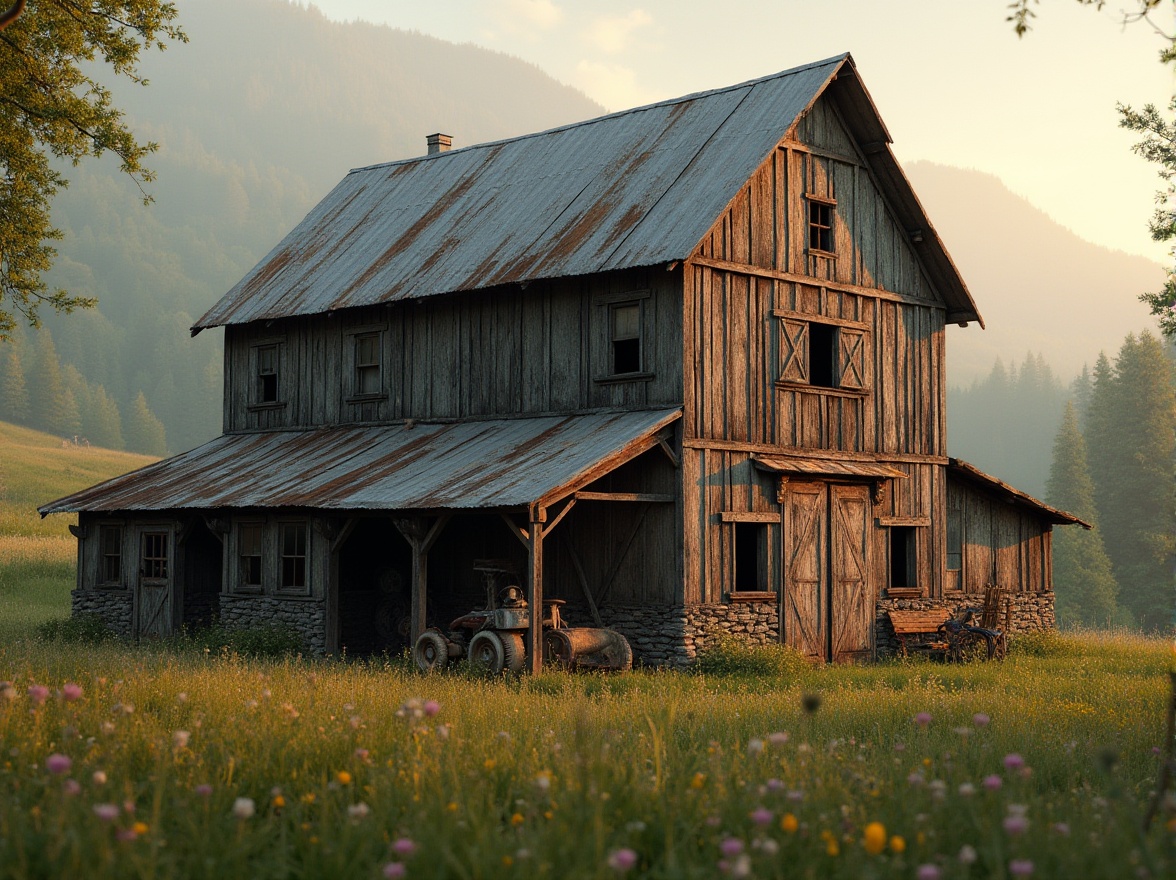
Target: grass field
[170, 761]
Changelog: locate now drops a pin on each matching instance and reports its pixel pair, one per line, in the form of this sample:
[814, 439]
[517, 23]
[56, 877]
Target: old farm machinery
[494, 638]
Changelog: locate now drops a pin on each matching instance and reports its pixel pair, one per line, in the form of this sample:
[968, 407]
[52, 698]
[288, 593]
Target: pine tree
[1085, 587]
[14, 392]
[1080, 390]
[101, 421]
[144, 431]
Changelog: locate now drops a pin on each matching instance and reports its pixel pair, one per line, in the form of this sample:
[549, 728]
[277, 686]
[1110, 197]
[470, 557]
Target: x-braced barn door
[153, 594]
[828, 606]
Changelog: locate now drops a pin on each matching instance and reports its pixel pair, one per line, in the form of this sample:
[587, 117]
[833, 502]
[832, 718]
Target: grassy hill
[37, 556]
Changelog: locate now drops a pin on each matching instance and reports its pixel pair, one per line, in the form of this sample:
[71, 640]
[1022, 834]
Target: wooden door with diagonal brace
[827, 600]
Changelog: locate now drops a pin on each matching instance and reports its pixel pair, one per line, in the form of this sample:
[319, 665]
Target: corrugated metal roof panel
[973, 474]
[825, 467]
[634, 188]
[465, 465]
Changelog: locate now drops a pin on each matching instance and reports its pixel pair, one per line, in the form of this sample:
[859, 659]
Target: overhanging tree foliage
[51, 109]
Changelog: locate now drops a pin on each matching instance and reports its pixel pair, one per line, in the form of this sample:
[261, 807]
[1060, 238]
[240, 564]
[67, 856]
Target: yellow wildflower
[788, 823]
[343, 777]
[874, 838]
[488, 764]
[897, 844]
[139, 828]
[517, 819]
[451, 806]
[278, 802]
[507, 861]
[698, 781]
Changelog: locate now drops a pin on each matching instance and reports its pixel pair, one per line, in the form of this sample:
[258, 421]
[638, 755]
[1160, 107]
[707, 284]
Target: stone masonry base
[113, 606]
[307, 616]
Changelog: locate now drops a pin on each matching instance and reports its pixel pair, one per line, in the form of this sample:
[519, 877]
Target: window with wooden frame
[368, 372]
[292, 545]
[624, 319]
[903, 557]
[250, 552]
[153, 562]
[110, 567]
[823, 353]
[955, 539]
[751, 554]
[622, 346]
[267, 373]
[821, 212]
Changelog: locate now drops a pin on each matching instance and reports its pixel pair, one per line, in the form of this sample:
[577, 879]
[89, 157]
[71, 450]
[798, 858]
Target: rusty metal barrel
[586, 647]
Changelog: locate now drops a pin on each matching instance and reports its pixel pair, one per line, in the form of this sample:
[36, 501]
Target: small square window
[267, 374]
[367, 364]
[625, 336]
[154, 560]
[249, 552]
[110, 539]
[751, 557]
[820, 226]
[292, 539]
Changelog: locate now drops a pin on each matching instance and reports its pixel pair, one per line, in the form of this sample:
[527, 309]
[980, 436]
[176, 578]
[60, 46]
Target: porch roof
[492, 463]
[958, 469]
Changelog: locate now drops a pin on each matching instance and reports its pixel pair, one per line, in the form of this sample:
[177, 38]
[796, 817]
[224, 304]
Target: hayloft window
[267, 373]
[625, 324]
[249, 553]
[820, 225]
[110, 542]
[368, 372]
[829, 353]
[292, 546]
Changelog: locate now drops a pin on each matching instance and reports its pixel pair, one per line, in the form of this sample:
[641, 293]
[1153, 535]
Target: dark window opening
[267, 374]
[154, 565]
[249, 537]
[955, 540]
[751, 554]
[367, 364]
[902, 556]
[293, 543]
[625, 320]
[111, 541]
[823, 355]
[820, 226]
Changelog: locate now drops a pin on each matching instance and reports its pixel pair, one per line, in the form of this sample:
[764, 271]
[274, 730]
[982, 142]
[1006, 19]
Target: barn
[681, 367]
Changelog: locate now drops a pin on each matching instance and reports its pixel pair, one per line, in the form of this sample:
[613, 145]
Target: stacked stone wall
[115, 607]
[308, 617]
[1028, 612]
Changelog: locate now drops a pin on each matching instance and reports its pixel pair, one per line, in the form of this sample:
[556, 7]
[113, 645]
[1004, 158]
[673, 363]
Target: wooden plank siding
[1002, 543]
[514, 351]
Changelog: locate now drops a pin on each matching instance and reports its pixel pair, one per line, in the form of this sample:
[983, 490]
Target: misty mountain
[1040, 287]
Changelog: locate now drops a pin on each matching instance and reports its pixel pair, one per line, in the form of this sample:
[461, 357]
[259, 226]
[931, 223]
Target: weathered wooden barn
[682, 366]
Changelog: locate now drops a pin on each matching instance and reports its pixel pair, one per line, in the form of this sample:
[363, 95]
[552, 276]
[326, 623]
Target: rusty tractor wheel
[430, 651]
[487, 652]
[514, 652]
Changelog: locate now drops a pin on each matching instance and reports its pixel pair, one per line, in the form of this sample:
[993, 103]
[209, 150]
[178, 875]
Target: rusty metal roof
[973, 474]
[635, 188]
[827, 467]
[495, 463]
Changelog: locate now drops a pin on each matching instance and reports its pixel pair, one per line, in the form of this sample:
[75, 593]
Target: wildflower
[915, 780]
[1061, 828]
[897, 844]
[431, 708]
[622, 860]
[451, 806]
[517, 819]
[966, 789]
[129, 807]
[993, 782]
[38, 693]
[99, 777]
[774, 785]
[106, 728]
[1020, 867]
[395, 870]
[181, 697]
[180, 739]
[203, 789]
[698, 781]
[343, 777]
[244, 808]
[443, 731]
[923, 719]
[543, 780]
[938, 789]
[488, 764]
[832, 848]
[874, 838]
[72, 787]
[1016, 825]
[795, 796]
[404, 847]
[755, 746]
[778, 738]
[928, 872]
[358, 811]
[58, 764]
[105, 812]
[7, 691]
[71, 692]
[761, 816]
[140, 828]
[278, 801]
[739, 867]
[363, 755]
[126, 834]
[730, 846]
[980, 719]
[1013, 761]
[967, 855]
[788, 823]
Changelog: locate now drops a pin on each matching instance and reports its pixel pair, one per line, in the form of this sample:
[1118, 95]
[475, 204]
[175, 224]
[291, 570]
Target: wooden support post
[420, 539]
[535, 580]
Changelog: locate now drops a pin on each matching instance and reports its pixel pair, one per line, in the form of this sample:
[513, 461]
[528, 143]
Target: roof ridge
[833, 59]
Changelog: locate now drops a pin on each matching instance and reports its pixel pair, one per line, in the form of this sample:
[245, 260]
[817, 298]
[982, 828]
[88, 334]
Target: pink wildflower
[923, 719]
[106, 812]
[431, 707]
[395, 870]
[1020, 867]
[762, 816]
[928, 872]
[778, 738]
[127, 834]
[71, 692]
[99, 777]
[72, 787]
[622, 860]
[58, 764]
[730, 846]
[993, 782]
[980, 719]
[1013, 761]
[404, 847]
[1061, 828]
[38, 693]
[203, 789]
[1016, 825]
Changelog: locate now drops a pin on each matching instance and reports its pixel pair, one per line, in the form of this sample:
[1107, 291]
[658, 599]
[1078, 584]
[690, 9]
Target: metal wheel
[514, 652]
[487, 652]
[967, 646]
[430, 652]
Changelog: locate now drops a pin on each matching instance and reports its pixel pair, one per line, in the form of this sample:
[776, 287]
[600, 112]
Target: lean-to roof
[972, 474]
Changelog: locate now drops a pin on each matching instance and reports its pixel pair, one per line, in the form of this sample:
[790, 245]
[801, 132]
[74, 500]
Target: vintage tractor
[493, 638]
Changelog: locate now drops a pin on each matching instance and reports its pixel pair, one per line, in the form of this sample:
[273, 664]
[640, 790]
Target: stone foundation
[115, 607]
[1028, 612]
[307, 616]
[672, 636]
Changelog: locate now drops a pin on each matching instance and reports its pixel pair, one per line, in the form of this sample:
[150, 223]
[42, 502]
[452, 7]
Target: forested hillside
[265, 109]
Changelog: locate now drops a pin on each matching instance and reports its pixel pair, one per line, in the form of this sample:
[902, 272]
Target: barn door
[153, 592]
[806, 551]
[827, 603]
[851, 602]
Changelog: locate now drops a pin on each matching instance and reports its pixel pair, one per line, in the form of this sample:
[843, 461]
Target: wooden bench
[916, 626]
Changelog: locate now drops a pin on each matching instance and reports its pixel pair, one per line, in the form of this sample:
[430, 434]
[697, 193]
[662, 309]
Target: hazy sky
[951, 80]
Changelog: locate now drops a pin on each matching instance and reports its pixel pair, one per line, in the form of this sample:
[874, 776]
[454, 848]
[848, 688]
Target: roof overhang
[488, 464]
[825, 467]
[971, 474]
